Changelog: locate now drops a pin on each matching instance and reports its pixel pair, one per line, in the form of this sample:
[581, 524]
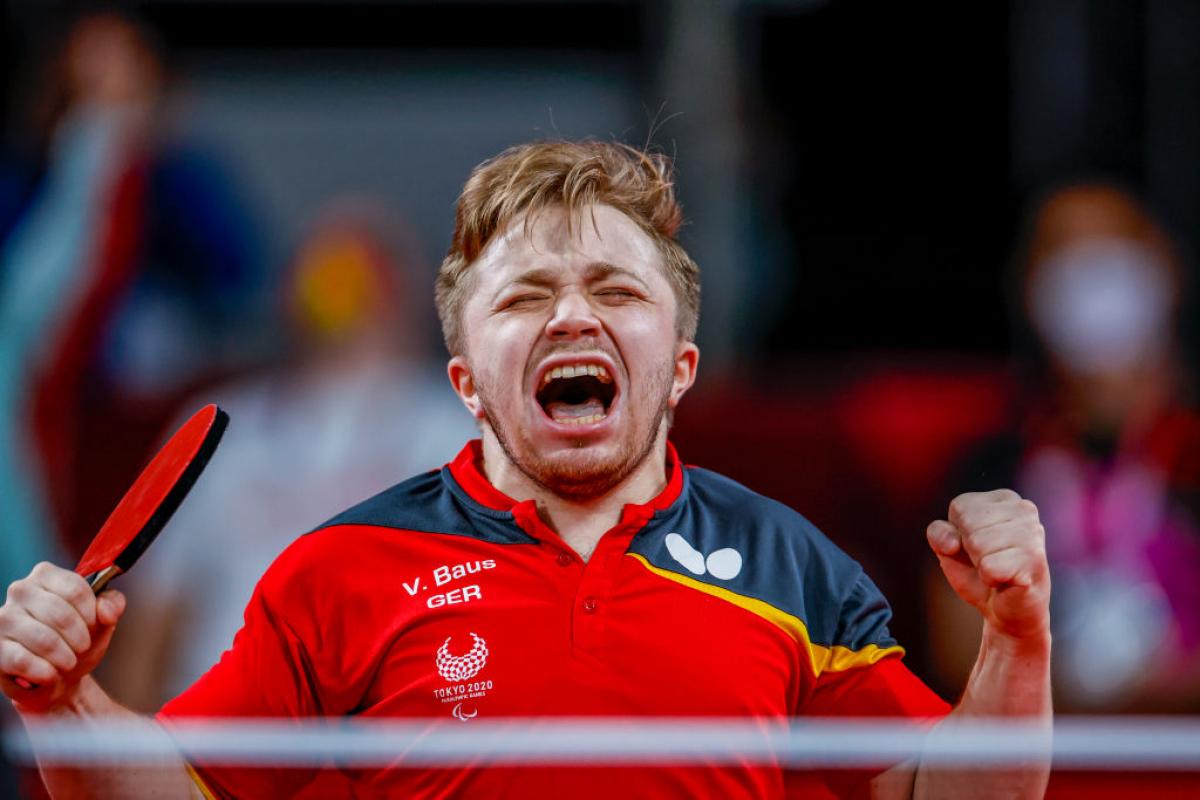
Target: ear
[687, 360]
[464, 386]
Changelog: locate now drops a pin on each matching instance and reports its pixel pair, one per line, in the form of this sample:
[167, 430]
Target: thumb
[110, 605]
[943, 537]
[946, 543]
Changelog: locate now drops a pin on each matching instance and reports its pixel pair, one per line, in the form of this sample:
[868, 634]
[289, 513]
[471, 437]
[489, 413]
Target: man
[567, 563]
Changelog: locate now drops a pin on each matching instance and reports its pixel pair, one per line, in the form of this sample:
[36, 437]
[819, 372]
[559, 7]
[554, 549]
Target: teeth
[577, 370]
[584, 420]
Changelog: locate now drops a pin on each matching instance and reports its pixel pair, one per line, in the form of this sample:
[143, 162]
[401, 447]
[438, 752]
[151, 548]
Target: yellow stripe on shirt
[823, 658]
[196, 779]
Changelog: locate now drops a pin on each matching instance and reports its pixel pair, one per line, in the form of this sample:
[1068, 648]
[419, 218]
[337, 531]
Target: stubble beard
[586, 476]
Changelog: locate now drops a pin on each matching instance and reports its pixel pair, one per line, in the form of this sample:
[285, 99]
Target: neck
[579, 521]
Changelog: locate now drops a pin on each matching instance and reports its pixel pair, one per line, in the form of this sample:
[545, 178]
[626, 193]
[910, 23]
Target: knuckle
[1016, 559]
[1030, 534]
[20, 661]
[57, 615]
[19, 591]
[1027, 506]
[65, 658]
[73, 587]
[77, 637]
[43, 639]
[42, 672]
[16, 627]
[991, 573]
[74, 593]
[1006, 494]
[17, 660]
[995, 563]
[960, 505]
[980, 524]
[972, 540]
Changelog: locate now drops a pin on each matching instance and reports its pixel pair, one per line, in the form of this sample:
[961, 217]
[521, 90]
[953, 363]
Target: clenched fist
[993, 552]
[53, 632]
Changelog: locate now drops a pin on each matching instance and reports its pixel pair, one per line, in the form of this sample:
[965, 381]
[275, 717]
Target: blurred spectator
[351, 412]
[125, 258]
[1108, 447]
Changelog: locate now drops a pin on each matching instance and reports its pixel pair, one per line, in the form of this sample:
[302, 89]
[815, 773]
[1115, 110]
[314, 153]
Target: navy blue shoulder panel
[433, 502]
[721, 533]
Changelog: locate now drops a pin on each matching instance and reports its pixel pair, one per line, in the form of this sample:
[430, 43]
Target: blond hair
[526, 179]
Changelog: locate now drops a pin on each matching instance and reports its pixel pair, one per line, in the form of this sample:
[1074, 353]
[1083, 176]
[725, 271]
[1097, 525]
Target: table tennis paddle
[151, 501]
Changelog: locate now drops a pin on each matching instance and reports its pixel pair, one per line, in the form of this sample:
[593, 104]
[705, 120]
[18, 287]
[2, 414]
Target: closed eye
[520, 301]
[619, 293]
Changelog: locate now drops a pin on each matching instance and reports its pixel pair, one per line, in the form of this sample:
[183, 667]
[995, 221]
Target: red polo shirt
[442, 598]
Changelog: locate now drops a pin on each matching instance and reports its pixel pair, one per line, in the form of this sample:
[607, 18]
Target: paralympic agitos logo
[464, 667]
[461, 670]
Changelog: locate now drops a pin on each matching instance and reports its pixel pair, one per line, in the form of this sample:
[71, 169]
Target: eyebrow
[548, 278]
[543, 278]
[601, 270]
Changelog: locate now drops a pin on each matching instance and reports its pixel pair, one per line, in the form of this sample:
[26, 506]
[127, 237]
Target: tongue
[560, 412]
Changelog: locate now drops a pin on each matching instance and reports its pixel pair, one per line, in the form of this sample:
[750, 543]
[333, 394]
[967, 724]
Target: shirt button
[590, 605]
[564, 559]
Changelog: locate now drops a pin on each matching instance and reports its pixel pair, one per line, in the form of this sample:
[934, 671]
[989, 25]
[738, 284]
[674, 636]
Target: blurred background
[943, 249]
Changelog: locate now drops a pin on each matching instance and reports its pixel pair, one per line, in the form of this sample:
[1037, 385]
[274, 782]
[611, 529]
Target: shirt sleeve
[862, 673]
[273, 670]
[884, 689]
[865, 676]
[266, 673]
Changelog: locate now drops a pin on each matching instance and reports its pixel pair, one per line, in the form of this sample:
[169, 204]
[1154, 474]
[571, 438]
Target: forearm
[1011, 680]
[166, 777]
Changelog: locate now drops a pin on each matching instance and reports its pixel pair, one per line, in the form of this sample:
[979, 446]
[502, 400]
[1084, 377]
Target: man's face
[571, 354]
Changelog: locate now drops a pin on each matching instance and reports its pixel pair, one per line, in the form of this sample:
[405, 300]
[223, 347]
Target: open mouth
[577, 394]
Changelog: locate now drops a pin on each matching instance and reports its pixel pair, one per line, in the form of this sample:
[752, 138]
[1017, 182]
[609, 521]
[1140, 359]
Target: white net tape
[1089, 743]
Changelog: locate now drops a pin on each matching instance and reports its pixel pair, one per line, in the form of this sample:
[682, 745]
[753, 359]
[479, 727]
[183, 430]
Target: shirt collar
[467, 470]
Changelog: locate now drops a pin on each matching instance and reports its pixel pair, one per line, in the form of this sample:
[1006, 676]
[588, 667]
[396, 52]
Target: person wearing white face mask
[1106, 443]
[1103, 305]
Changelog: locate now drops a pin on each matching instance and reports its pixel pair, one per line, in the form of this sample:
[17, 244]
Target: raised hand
[992, 550]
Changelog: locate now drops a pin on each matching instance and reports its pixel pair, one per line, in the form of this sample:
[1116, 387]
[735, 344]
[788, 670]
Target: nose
[572, 318]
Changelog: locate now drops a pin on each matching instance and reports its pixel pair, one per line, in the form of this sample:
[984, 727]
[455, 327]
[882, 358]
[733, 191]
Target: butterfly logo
[724, 564]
